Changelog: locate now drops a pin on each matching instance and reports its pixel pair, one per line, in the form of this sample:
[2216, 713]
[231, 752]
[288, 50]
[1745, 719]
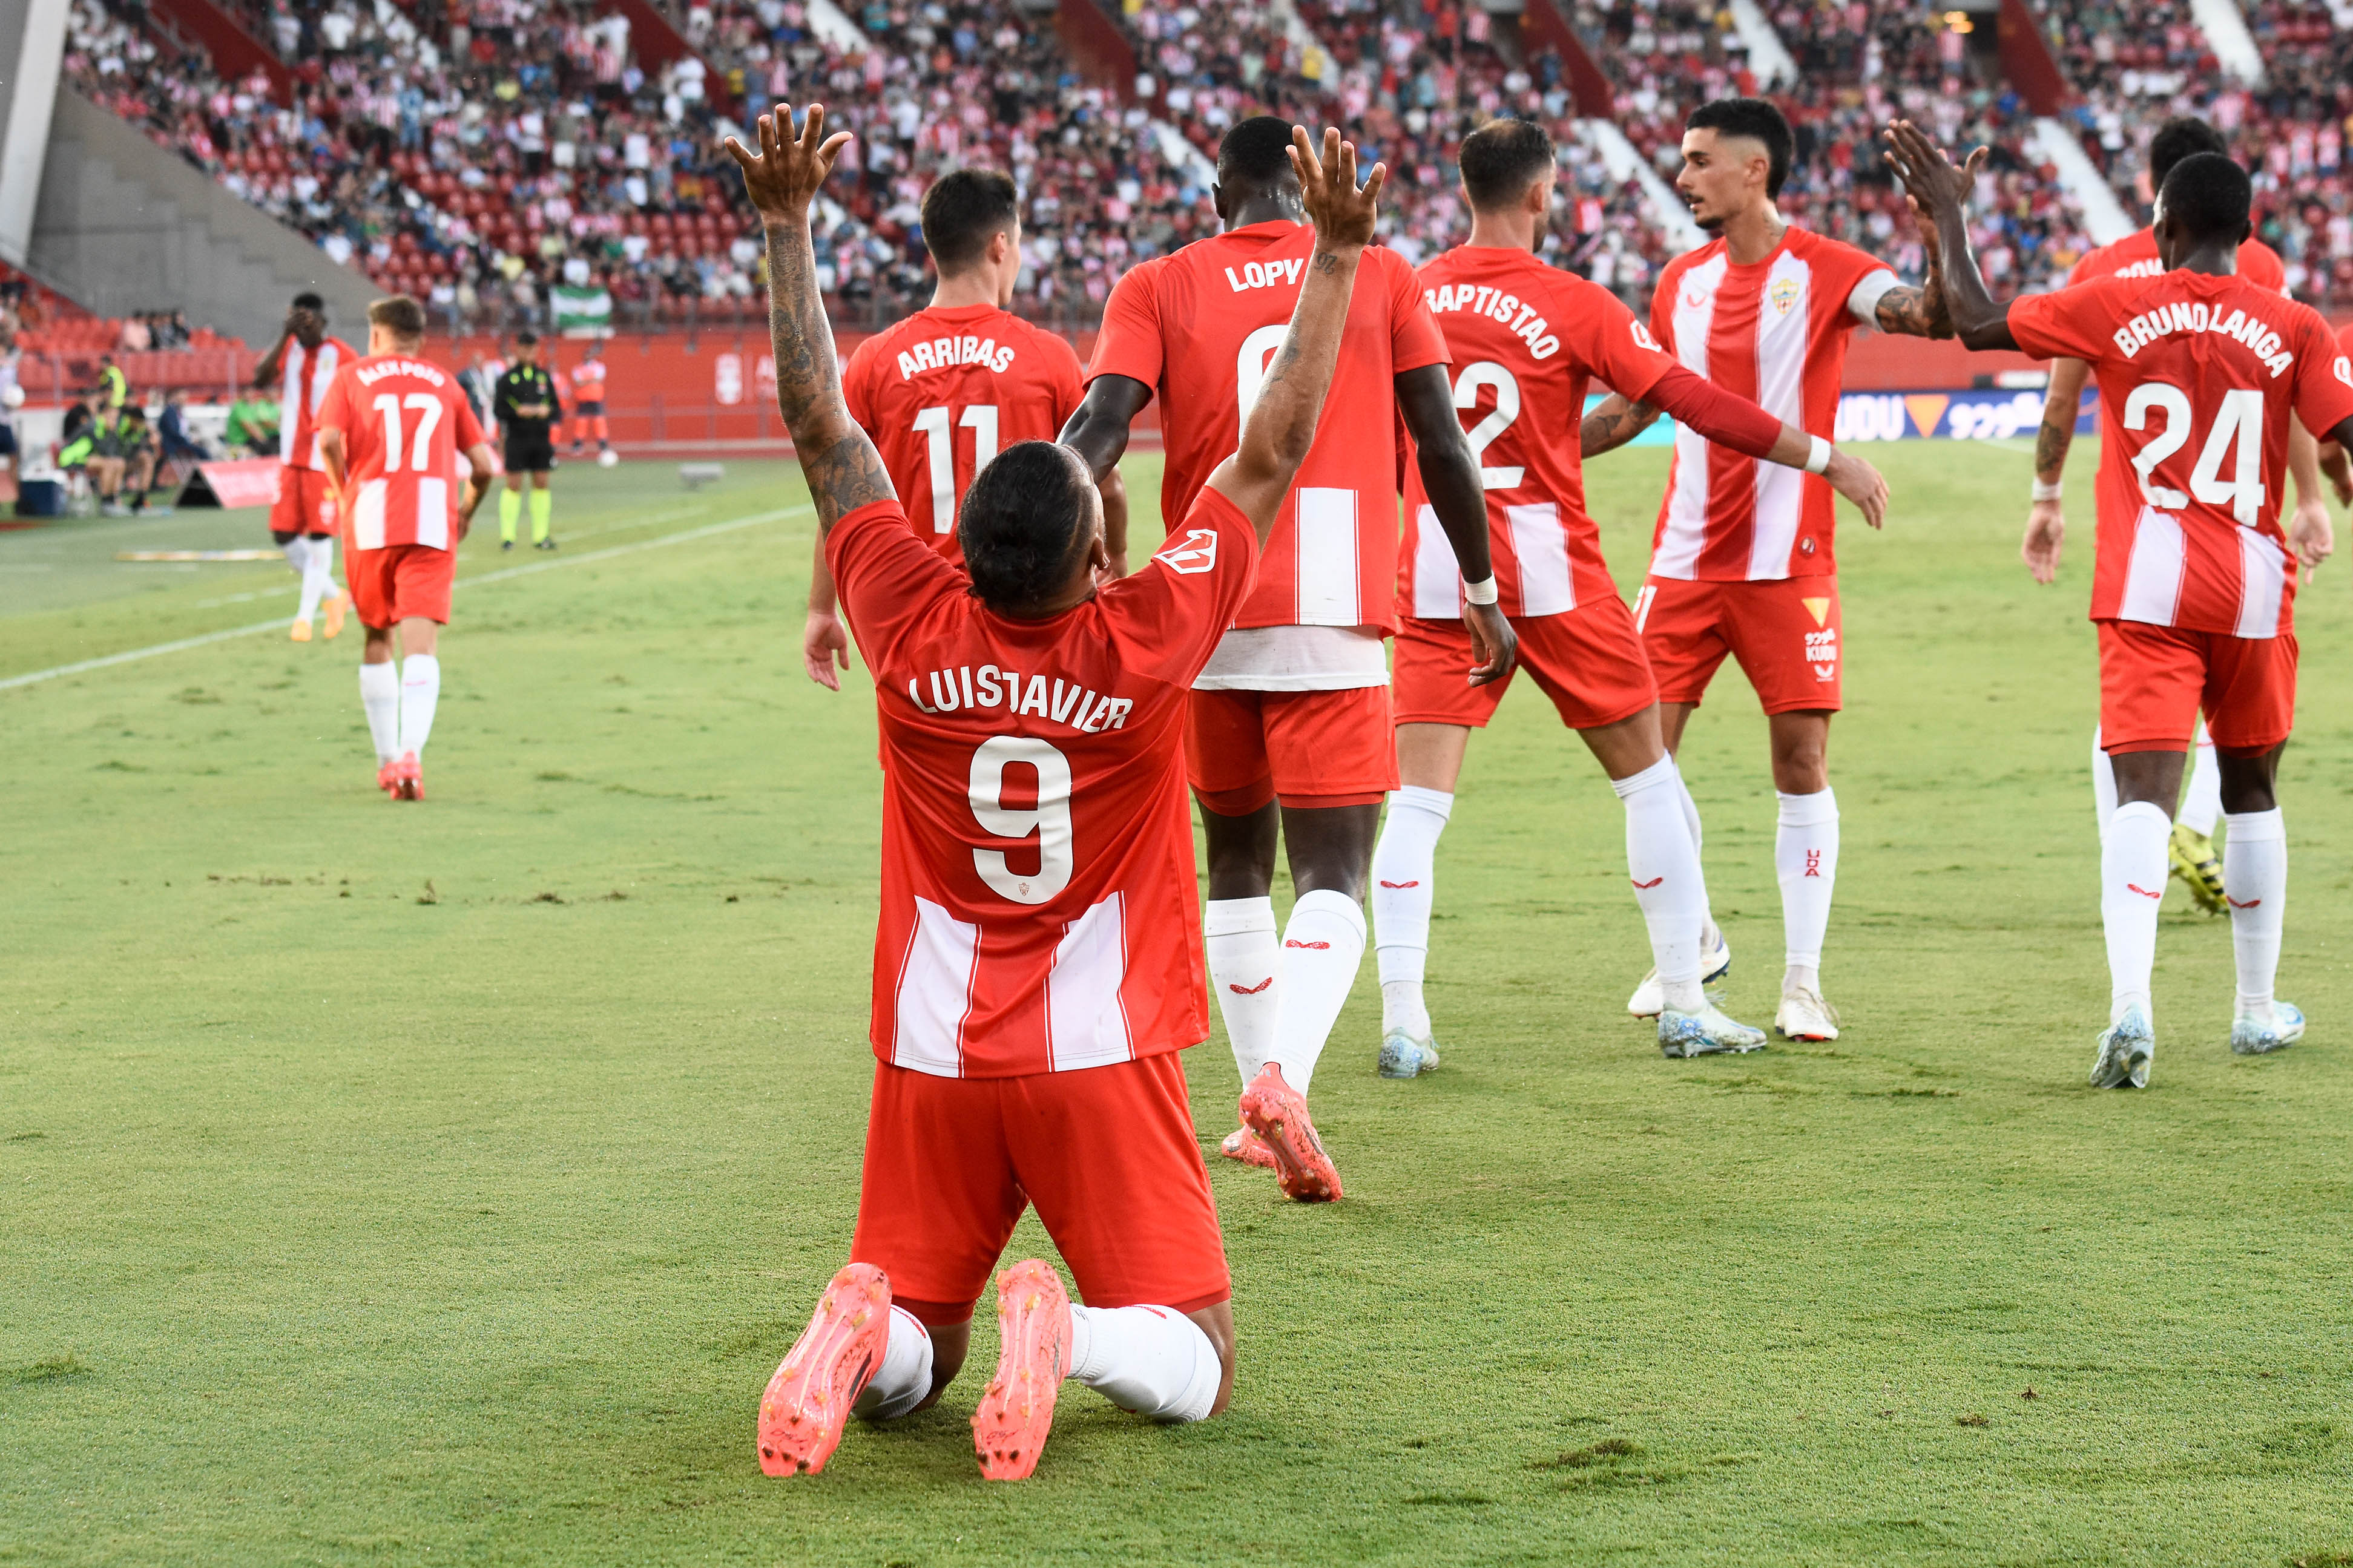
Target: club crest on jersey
[1194, 553]
[1266, 274]
[1783, 293]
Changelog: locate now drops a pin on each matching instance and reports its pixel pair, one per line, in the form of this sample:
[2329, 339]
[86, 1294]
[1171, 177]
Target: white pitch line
[281, 621]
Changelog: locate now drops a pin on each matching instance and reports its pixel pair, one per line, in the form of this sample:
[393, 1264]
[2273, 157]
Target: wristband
[1819, 457]
[2046, 492]
[1482, 592]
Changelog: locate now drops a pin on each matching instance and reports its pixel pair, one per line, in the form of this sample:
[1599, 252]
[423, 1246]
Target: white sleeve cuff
[1864, 301]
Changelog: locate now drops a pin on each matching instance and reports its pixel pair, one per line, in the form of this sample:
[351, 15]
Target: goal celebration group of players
[1048, 719]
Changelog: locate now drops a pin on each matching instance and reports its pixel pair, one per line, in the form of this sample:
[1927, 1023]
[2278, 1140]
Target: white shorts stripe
[1541, 548]
[2263, 581]
[1086, 1024]
[2152, 577]
[1436, 576]
[1327, 558]
[934, 992]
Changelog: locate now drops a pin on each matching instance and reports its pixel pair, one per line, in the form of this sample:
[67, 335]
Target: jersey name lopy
[2195, 317]
[1072, 706]
[947, 354]
[1497, 305]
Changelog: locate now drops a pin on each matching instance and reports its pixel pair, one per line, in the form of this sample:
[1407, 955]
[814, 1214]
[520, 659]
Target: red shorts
[305, 503]
[1243, 748]
[2154, 680]
[1589, 660]
[400, 583]
[1108, 1154]
[1784, 631]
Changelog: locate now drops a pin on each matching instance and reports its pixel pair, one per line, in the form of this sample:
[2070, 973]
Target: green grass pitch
[441, 1184]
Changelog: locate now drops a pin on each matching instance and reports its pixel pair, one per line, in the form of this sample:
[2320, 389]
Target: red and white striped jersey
[1198, 326]
[1774, 332]
[944, 390]
[1523, 340]
[1039, 911]
[2197, 375]
[309, 373]
[404, 422]
[587, 382]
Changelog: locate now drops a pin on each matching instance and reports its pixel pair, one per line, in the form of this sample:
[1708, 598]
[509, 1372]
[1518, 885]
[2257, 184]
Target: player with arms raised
[1289, 726]
[2200, 373]
[1742, 563]
[946, 389]
[2309, 534]
[1038, 955]
[1526, 339]
[390, 431]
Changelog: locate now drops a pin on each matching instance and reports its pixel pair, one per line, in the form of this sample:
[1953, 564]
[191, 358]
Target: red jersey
[587, 382]
[1198, 326]
[2197, 375]
[1776, 332]
[309, 373]
[945, 390]
[1040, 911]
[2134, 256]
[404, 422]
[1523, 339]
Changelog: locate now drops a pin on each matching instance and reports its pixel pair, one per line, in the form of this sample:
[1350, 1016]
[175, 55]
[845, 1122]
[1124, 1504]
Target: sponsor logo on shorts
[1195, 552]
[1249, 990]
[1822, 652]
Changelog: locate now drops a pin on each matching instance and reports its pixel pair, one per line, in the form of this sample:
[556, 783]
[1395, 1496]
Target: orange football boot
[299, 632]
[412, 778]
[1017, 1409]
[1248, 1147]
[335, 607]
[1278, 1114]
[807, 1402]
[387, 779]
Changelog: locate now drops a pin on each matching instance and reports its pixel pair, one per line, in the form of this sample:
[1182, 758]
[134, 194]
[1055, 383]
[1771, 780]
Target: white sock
[1709, 935]
[2132, 887]
[1805, 853]
[1321, 947]
[1405, 881]
[2203, 802]
[2103, 784]
[318, 577]
[420, 689]
[380, 699]
[1245, 970]
[1664, 864]
[298, 554]
[2254, 878]
[1154, 1361]
[899, 1383]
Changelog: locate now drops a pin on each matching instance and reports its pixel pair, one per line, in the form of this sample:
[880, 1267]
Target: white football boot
[2125, 1048]
[1804, 1015]
[1649, 997]
[1705, 1033]
[2255, 1037]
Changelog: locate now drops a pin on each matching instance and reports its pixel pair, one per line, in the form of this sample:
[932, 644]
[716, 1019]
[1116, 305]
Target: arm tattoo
[843, 470]
[1903, 312]
[1605, 431]
[1326, 262]
[2050, 444]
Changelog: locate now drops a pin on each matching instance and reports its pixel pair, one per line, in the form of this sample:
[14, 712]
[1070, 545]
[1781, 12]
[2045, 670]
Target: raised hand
[1342, 211]
[1935, 183]
[784, 177]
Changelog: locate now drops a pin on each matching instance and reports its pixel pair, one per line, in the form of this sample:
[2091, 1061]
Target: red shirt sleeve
[1414, 338]
[1129, 341]
[1169, 616]
[886, 576]
[1724, 417]
[2324, 387]
[2065, 323]
[1623, 353]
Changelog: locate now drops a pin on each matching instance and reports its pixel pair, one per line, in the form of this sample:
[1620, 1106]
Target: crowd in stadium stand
[2137, 64]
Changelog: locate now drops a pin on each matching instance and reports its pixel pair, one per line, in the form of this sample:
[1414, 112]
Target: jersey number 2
[1049, 819]
[1485, 373]
[980, 418]
[389, 405]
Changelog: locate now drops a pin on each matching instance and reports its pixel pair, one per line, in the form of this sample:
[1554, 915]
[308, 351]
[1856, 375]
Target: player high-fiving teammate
[1037, 960]
[2200, 373]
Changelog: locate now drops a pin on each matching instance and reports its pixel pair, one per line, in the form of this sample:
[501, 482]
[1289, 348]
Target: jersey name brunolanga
[369, 374]
[1498, 305]
[1071, 705]
[2193, 316]
[947, 354]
